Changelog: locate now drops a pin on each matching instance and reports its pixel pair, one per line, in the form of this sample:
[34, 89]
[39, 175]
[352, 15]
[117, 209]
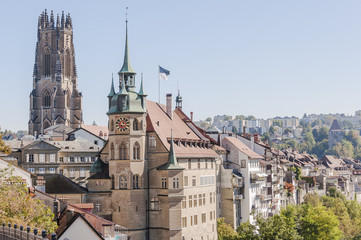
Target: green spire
[172, 163]
[123, 90]
[141, 90]
[127, 68]
[112, 92]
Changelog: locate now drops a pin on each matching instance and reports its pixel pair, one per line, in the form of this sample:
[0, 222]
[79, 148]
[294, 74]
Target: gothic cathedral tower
[55, 98]
[126, 151]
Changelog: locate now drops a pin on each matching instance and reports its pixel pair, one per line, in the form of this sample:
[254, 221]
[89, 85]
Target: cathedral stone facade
[55, 98]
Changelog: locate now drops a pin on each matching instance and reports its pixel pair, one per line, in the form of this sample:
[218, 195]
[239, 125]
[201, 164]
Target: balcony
[258, 177]
[237, 182]
[238, 196]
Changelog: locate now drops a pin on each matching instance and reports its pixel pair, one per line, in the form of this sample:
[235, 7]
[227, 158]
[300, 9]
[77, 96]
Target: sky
[262, 58]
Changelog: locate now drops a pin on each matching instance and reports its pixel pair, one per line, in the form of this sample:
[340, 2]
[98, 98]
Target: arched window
[67, 63]
[136, 151]
[175, 182]
[136, 181]
[68, 99]
[113, 182]
[123, 151]
[46, 62]
[164, 182]
[46, 98]
[123, 184]
[112, 125]
[135, 124]
[112, 151]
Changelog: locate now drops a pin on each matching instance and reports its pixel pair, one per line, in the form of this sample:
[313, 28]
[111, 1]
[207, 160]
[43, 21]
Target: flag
[163, 73]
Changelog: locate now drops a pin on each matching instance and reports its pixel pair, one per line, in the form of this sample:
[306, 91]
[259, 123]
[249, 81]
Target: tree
[266, 137]
[272, 130]
[225, 231]
[4, 148]
[343, 149]
[19, 207]
[277, 123]
[209, 119]
[287, 131]
[250, 117]
[234, 129]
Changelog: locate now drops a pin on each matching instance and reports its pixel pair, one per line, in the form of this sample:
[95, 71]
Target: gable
[80, 229]
[41, 145]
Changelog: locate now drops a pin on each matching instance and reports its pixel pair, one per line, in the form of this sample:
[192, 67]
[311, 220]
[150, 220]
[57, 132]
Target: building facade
[55, 98]
[157, 172]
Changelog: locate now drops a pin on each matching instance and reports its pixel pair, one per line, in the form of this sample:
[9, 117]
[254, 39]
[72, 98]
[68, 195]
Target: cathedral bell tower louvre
[126, 150]
[55, 98]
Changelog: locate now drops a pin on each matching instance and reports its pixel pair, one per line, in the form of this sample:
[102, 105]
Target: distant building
[55, 98]
[335, 134]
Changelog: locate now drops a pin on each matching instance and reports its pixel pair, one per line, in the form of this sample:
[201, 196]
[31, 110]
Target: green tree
[277, 123]
[343, 149]
[19, 207]
[287, 131]
[234, 129]
[266, 137]
[209, 119]
[225, 231]
[250, 117]
[4, 148]
[272, 130]
[321, 148]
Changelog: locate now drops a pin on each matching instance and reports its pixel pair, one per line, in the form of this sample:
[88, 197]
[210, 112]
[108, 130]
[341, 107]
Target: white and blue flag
[163, 73]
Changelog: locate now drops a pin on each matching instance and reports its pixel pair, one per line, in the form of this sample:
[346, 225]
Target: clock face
[122, 124]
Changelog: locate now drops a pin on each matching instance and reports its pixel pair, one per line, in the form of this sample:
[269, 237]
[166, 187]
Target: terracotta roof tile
[242, 147]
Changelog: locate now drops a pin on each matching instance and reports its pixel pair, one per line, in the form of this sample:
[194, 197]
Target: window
[61, 171]
[96, 142]
[31, 158]
[61, 159]
[184, 202]
[82, 172]
[203, 217]
[123, 182]
[190, 201]
[211, 215]
[207, 180]
[93, 159]
[212, 164]
[210, 198]
[46, 98]
[112, 151]
[112, 125]
[243, 164]
[46, 62]
[52, 158]
[194, 181]
[164, 182]
[185, 181]
[32, 170]
[175, 182]
[214, 197]
[184, 222]
[200, 200]
[195, 200]
[51, 170]
[204, 199]
[136, 151]
[191, 220]
[152, 141]
[135, 124]
[98, 207]
[72, 172]
[199, 164]
[42, 158]
[195, 219]
[82, 159]
[189, 164]
[113, 181]
[123, 151]
[41, 170]
[136, 181]
[72, 159]
[154, 204]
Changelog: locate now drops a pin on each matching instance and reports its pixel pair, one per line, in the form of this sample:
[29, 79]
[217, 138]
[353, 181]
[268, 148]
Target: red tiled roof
[100, 131]
[162, 124]
[242, 147]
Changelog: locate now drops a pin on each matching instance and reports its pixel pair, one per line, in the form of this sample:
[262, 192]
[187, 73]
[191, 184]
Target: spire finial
[126, 68]
[112, 92]
[141, 90]
[126, 15]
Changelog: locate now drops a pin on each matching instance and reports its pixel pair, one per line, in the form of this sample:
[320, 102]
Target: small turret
[62, 19]
[172, 163]
[178, 100]
[57, 21]
[52, 19]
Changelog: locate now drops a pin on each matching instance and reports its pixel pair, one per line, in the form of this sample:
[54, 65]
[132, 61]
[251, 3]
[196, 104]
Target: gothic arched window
[113, 182]
[123, 151]
[46, 62]
[112, 151]
[136, 151]
[135, 124]
[46, 98]
[136, 181]
[112, 125]
[123, 182]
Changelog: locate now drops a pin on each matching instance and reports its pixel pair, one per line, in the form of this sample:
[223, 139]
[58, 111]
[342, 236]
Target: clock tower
[125, 150]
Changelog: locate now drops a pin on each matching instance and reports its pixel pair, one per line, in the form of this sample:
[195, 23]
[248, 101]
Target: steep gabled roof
[242, 147]
[335, 126]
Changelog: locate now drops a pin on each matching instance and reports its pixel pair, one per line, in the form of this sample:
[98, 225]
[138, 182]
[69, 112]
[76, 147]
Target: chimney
[252, 143]
[244, 131]
[256, 139]
[169, 105]
[192, 116]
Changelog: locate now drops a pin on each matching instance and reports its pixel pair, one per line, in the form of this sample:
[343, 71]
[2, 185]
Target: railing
[8, 232]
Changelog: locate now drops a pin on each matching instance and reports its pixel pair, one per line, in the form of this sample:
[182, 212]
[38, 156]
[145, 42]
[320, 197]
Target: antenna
[126, 14]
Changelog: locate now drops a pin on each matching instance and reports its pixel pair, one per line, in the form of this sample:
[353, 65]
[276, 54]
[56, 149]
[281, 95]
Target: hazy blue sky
[265, 58]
